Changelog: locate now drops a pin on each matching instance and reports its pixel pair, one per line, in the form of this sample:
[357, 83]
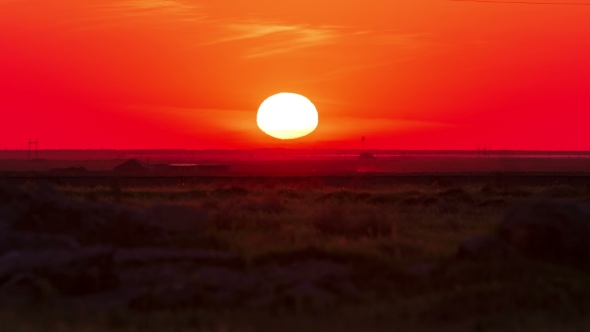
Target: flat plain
[399, 243]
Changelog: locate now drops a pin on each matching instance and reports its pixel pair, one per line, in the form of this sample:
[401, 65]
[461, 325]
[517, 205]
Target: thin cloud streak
[248, 30]
[155, 5]
[304, 38]
[278, 38]
[113, 14]
[138, 8]
[263, 38]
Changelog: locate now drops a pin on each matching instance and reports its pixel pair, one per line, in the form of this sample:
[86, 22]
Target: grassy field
[400, 244]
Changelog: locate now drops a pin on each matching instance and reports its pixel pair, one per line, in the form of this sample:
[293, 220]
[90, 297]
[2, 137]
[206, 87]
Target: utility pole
[36, 143]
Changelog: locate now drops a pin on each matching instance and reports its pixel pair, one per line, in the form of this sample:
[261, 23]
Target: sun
[287, 116]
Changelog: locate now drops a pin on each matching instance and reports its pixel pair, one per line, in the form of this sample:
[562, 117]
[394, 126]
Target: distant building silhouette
[366, 156]
[132, 165]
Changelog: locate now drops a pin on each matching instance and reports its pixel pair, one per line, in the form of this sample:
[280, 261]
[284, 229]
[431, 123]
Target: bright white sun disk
[287, 116]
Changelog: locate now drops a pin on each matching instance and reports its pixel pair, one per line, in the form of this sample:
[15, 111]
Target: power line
[527, 2]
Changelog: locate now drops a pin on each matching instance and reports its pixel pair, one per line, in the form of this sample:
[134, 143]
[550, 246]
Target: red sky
[419, 74]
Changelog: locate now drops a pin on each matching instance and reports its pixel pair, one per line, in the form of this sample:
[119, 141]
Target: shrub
[336, 221]
[269, 204]
[246, 216]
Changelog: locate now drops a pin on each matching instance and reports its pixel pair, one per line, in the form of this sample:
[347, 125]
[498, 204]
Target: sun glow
[287, 116]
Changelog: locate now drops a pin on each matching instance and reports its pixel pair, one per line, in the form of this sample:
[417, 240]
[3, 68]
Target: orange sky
[419, 74]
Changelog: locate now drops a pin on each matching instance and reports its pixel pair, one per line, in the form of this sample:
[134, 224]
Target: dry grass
[378, 232]
[408, 223]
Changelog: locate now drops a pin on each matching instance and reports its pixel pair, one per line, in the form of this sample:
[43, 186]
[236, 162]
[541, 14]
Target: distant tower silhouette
[363, 142]
[36, 143]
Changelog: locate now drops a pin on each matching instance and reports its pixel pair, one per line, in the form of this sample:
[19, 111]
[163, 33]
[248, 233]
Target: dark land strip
[369, 179]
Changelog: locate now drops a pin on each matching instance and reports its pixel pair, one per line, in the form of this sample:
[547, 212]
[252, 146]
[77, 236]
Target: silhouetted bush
[563, 191]
[231, 192]
[209, 205]
[337, 221]
[48, 211]
[516, 193]
[456, 195]
[494, 202]
[289, 193]
[269, 204]
[250, 214]
[345, 195]
[383, 199]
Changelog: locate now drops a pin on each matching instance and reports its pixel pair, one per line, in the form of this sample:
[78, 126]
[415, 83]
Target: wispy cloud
[146, 6]
[253, 38]
[109, 13]
[275, 37]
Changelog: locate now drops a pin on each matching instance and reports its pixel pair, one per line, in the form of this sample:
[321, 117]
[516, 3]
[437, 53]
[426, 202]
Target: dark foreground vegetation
[274, 256]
